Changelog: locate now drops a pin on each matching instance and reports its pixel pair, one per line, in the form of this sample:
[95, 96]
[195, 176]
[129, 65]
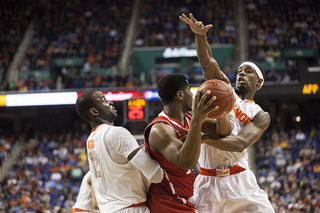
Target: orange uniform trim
[137, 205]
[94, 129]
[221, 172]
[80, 210]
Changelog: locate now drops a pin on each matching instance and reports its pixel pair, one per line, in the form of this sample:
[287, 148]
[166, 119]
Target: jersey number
[93, 157]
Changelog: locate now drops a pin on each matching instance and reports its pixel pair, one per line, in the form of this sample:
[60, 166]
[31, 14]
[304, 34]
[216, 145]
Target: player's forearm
[210, 67]
[150, 168]
[224, 126]
[203, 49]
[229, 143]
[190, 151]
[94, 200]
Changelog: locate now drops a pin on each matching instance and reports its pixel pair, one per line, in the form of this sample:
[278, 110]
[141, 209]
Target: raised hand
[200, 110]
[196, 26]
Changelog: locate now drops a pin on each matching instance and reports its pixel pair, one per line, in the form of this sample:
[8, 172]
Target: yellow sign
[309, 89]
[3, 100]
[137, 102]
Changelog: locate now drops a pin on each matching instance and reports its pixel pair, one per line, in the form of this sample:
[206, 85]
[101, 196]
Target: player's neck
[245, 95]
[95, 124]
[175, 113]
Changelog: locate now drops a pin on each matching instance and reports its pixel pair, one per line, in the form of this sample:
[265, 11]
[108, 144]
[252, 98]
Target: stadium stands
[47, 175]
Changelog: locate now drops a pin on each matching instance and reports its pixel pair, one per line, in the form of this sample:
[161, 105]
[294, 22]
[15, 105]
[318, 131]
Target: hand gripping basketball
[224, 97]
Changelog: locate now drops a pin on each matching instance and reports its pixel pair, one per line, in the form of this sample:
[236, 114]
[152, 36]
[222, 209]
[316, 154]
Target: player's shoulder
[119, 130]
[161, 129]
[263, 114]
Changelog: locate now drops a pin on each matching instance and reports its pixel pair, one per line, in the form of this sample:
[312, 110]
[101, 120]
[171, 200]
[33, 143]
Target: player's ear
[259, 82]
[93, 112]
[180, 94]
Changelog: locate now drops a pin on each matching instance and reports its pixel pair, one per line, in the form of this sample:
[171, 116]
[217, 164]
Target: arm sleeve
[150, 168]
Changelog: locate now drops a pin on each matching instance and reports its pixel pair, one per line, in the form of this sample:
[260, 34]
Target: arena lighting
[194, 90]
[152, 95]
[118, 96]
[39, 99]
[179, 52]
[59, 98]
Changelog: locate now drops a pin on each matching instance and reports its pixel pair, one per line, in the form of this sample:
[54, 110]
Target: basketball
[225, 97]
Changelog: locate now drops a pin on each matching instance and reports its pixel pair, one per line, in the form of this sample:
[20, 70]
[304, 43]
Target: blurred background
[51, 51]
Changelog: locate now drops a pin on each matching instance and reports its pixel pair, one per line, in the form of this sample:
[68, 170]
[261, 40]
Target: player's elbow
[188, 165]
[225, 131]
[240, 148]
[242, 145]
[95, 206]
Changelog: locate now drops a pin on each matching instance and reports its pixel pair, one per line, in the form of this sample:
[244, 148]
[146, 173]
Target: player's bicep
[124, 142]
[163, 139]
[253, 130]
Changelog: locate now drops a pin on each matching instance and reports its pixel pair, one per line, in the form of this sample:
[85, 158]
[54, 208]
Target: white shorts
[140, 209]
[238, 193]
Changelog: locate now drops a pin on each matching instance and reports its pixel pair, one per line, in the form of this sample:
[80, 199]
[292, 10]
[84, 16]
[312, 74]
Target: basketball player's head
[250, 76]
[173, 86]
[93, 106]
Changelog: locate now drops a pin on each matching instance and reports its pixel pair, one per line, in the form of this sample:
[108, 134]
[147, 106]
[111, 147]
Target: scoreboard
[135, 110]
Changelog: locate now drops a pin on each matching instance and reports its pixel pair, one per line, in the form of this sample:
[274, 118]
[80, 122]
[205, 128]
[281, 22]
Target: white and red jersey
[117, 183]
[178, 181]
[172, 194]
[242, 113]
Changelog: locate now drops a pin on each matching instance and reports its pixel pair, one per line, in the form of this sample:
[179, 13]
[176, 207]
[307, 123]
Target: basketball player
[119, 168]
[86, 201]
[177, 158]
[225, 182]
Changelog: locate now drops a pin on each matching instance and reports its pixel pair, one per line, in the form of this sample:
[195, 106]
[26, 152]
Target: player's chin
[115, 115]
[240, 86]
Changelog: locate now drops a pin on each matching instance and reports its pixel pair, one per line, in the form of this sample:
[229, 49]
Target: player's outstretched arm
[210, 67]
[246, 137]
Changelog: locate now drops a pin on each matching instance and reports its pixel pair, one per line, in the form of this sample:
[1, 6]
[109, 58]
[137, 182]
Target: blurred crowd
[90, 29]
[289, 168]
[14, 21]
[7, 139]
[275, 26]
[160, 24]
[94, 30]
[48, 173]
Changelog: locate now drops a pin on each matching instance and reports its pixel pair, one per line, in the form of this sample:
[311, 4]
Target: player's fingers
[184, 130]
[211, 109]
[204, 97]
[183, 20]
[207, 27]
[186, 18]
[192, 18]
[210, 101]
